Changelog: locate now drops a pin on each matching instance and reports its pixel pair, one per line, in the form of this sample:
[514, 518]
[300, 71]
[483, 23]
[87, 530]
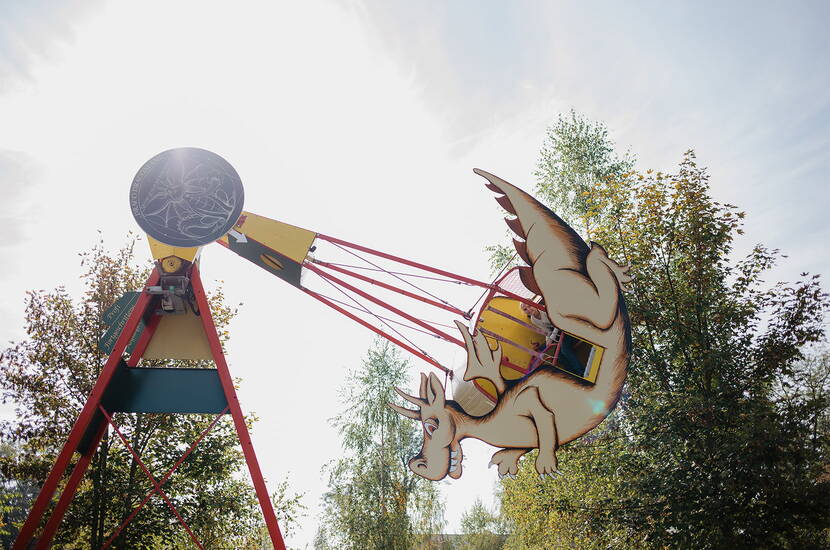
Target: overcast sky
[364, 120]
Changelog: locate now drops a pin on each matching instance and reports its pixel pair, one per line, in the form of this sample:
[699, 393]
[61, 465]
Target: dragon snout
[437, 464]
[418, 465]
[426, 468]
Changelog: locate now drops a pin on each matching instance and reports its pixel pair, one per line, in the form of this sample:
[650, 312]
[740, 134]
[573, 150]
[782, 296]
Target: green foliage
[374, 501]
[804, 394]
[577, 155]
[289, 509]
[502, 258]
[481, 529]
[48, 376]
[572, 511]
[707, 448]
[16, 496]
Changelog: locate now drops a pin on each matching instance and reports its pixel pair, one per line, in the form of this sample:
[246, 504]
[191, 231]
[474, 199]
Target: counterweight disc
[186, 197]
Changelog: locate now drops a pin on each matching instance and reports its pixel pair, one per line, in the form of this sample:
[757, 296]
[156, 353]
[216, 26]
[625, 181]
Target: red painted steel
[68, 493]
[404, 261]
[393, 288]
[163, 480]
[383, 304]
[71, 487]
[25, 537]
[152, 479]
[484, 392]
[376, 330]
[32, 522]
[425, 267]
[236, 411]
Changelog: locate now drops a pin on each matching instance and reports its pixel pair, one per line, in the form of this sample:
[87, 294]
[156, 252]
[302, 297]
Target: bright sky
[364, 120]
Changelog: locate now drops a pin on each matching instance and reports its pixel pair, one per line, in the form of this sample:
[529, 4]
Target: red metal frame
[377, 331]
[82, 465]
[27, 532]
[25, 538]
[163, 480]
[69, 490]
[424, 267]
[315, 266]
[156, 487]
[383, 304]
[393, 288]
[236, 412]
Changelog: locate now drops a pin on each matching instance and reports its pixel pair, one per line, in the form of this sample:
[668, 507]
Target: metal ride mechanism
[186, 198]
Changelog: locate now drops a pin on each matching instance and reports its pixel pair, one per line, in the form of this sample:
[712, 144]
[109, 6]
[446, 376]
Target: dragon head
[440, 453]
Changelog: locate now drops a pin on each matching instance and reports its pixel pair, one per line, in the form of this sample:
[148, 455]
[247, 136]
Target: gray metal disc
[186, 197]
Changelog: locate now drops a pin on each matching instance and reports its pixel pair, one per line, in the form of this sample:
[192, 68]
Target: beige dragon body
[582, 291]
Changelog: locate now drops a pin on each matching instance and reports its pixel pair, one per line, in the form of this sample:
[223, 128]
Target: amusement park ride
[546, 358]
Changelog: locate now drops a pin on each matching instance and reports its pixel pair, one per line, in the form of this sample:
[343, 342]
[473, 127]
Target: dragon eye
[430, 425]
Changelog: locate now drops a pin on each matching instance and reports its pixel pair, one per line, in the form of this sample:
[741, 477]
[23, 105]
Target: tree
[16, 497]
[576, 155]
[803, 400]
[48, 377]
[374, 501]
[289, 509]
[700, 453]
[804, 395]
[481, 529]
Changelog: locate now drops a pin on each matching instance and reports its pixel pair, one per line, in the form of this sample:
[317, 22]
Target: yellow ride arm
[277, 247]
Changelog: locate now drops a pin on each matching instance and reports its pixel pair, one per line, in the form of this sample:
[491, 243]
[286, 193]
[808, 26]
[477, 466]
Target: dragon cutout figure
[582, 292]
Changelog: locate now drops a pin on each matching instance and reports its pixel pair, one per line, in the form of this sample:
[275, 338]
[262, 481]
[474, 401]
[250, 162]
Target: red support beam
[71, 487]
[41, 504]
[404, 261]
[236, 411]
[425, 267]
[68, 493]
[26, 535]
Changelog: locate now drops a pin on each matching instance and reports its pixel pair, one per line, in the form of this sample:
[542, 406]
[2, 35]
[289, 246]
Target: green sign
[115, 318]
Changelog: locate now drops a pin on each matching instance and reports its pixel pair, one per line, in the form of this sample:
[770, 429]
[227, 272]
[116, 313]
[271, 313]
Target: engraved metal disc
[186, 197]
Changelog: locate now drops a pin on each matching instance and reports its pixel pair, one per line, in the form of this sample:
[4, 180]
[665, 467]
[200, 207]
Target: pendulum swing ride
[546, 349]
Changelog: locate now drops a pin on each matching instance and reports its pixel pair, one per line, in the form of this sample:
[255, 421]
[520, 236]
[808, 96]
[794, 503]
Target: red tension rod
[383, 304]
[425, 267]
[393, 288]
[377, 331]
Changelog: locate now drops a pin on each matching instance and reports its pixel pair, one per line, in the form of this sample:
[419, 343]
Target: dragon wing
[580, 284]
[546, 240]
